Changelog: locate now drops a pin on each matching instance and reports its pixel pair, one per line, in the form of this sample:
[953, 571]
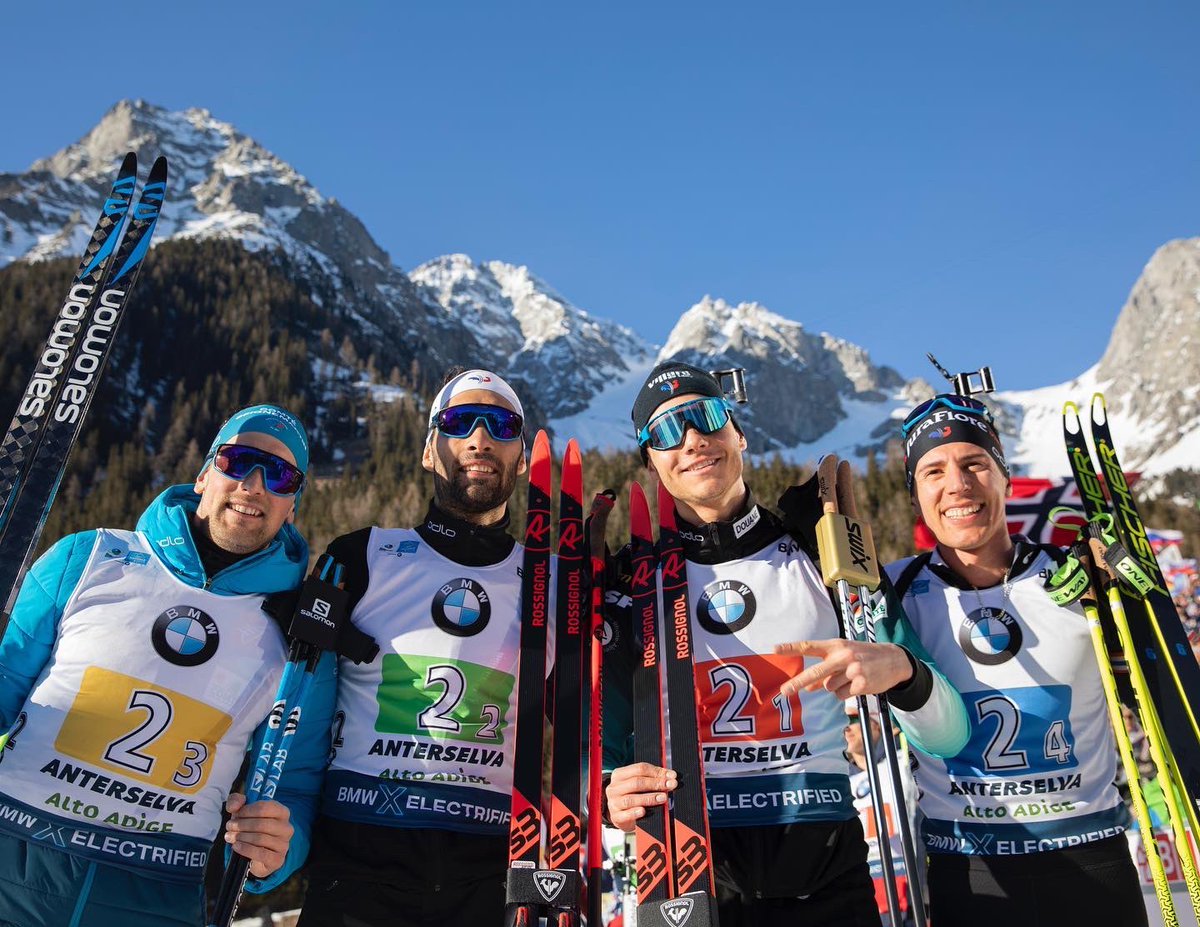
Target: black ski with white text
[29, 501]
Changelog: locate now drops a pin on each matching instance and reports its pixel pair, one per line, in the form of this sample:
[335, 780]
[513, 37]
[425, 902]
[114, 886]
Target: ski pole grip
[321, 618]
[1068, 584]
[322, 608]
[844, 544]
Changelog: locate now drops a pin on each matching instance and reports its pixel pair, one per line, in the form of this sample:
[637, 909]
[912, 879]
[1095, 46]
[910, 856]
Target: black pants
[1091, 884]
[848, 900]
[344, 903]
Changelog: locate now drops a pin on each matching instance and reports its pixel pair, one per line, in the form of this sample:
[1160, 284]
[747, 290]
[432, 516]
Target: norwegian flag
[1028, 511]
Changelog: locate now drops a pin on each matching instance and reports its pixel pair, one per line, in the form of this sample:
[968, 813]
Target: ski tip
[129, 164]
[158, 170]
[571, 456]
[1099, 409]
[541, 444]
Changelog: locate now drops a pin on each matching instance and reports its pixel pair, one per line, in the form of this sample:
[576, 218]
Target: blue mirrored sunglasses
[459, 421]
[665, 432]
[951, 402]
[238, 461]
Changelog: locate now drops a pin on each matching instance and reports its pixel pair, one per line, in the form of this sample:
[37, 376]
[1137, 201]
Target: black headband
[947, 426]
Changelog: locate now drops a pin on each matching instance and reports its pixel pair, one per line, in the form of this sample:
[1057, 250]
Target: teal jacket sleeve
[300, 783]
[940, 726]
[29, 638]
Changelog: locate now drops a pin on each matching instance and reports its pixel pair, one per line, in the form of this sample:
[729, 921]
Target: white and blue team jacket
[1037, 772]
[131, 686]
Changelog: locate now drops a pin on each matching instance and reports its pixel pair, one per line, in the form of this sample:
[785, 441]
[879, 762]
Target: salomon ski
[80, 378]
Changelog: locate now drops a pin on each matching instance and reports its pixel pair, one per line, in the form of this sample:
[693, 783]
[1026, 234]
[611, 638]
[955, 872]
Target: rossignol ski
[80, 375]
[691, 862]
[565, 836]
[547, 881]
[674, 855]
[651, 835]
[526, 880]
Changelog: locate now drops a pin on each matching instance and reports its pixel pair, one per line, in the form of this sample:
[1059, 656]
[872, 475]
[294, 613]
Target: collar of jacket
[167, 523]
[465, 542]
[1024, 553]
[752, 529]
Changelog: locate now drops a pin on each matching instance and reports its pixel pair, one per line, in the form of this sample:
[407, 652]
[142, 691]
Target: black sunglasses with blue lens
[459, 421]
[665, 432]
[238, 461]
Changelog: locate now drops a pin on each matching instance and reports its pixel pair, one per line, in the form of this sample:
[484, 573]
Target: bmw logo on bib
[461, 607]
[185, 635]
[726, 606]
[990, 636]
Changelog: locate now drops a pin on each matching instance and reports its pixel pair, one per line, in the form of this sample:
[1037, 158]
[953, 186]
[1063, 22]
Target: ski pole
[847, 505]
[845, 560]
[303, 656]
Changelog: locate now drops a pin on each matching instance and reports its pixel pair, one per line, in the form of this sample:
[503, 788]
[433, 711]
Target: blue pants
[41, 886]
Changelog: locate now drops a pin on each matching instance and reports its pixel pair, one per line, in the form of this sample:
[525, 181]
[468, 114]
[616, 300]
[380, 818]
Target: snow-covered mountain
[810, 392]
[1149, 375]
[535, 334]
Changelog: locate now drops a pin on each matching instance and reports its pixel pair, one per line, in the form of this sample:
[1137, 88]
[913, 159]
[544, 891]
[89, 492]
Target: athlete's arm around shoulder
[928, 708]
[29, 638]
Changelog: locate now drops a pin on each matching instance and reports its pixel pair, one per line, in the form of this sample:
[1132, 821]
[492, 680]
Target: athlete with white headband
[414, 825]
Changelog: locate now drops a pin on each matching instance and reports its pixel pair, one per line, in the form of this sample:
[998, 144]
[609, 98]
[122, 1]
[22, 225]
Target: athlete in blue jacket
[136, 670]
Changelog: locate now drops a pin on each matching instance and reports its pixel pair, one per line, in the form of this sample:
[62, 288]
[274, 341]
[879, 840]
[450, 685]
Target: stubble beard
[464, 497]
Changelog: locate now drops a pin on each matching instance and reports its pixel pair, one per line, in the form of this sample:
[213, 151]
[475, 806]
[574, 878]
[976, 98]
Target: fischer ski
[25, 431]
[81, 373]
[1159, 643]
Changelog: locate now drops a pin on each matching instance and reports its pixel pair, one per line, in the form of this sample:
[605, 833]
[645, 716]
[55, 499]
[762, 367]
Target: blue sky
[983, 181]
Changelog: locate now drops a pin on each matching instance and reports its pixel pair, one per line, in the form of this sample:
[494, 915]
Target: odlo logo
[677, 911]
[549, 883]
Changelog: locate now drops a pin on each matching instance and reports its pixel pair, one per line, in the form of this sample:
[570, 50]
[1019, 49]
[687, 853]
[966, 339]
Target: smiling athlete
[787, 843]
[137, 668]
[414, 824]
[1024, 826]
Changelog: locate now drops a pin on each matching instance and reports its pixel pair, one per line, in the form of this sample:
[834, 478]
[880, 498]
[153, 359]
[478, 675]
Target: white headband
[474, 379]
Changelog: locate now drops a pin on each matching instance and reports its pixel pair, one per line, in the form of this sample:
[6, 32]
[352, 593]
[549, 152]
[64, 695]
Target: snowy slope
[811, 392]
